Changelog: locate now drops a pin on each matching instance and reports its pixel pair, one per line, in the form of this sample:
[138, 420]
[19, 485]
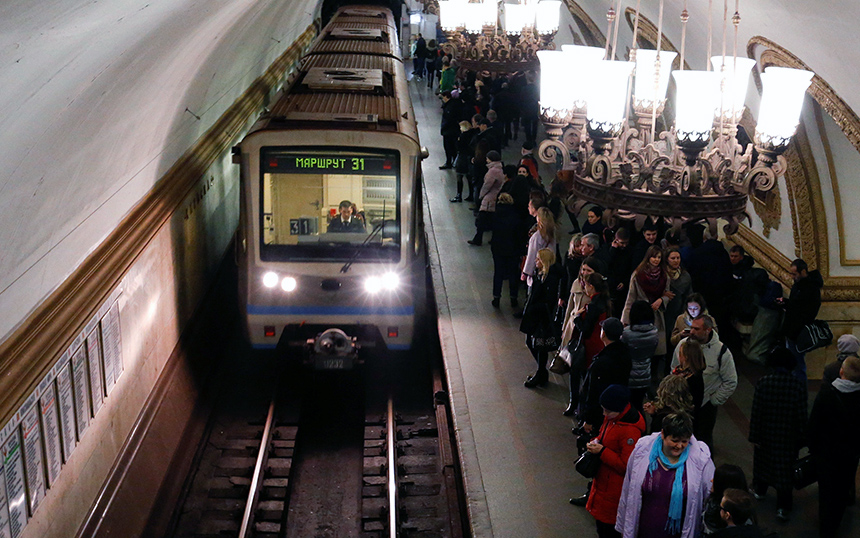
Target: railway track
[325, 467]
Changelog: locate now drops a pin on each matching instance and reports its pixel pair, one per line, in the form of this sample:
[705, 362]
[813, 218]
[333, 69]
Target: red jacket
[618, 437]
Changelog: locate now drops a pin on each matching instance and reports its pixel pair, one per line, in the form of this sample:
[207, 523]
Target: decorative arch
[803, 182]
[647, 37]
[591, 33]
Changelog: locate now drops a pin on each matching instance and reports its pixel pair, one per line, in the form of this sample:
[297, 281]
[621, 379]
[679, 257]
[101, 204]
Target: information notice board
[81, 390]
[33, 461]
[50, 430]
[5, 532]
[67, 408]
[13, 474]
[43, 433]
[94, 360]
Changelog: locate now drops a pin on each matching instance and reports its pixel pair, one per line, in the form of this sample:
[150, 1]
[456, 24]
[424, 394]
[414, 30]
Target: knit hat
[493, 156]
[848, 343]
[613, 328]
[615, 398]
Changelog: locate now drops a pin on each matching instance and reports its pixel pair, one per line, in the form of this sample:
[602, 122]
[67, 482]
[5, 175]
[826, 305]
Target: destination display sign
[334, 162]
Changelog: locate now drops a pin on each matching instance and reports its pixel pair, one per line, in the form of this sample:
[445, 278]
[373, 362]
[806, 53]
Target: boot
[457, 199]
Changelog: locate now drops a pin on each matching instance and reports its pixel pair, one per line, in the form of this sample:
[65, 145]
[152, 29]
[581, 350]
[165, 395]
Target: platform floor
[515, 446]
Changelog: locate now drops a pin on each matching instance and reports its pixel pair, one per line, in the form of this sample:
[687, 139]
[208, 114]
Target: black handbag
[813, 336]
[804, 472]
[588, 464]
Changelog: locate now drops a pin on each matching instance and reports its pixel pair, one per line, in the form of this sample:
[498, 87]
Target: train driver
[346, 221]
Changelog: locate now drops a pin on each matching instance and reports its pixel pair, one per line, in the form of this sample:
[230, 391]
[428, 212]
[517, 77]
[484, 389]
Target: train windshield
[330, 204]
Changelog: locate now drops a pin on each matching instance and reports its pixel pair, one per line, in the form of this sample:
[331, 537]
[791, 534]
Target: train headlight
[270, 279]
[289, 283]
[373, 284]
[390, 281]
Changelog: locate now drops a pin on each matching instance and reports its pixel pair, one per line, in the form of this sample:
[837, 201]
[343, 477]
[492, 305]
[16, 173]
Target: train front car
[332, 255]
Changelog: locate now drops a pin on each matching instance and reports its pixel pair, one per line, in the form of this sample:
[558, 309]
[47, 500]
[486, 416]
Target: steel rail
[254, 492]
[392, 470]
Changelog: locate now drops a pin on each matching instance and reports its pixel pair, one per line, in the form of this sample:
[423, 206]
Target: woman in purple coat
[667, 482]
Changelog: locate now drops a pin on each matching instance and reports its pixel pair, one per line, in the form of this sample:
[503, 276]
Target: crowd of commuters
[646, 322]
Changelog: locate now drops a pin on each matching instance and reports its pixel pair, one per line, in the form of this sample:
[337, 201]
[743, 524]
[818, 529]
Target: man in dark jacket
[610, 367]
[450, 128]
[834, 442]
[506, 251]
[802, 306]
[620, 268]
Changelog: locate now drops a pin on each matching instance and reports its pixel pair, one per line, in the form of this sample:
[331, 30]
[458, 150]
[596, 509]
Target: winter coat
[536, 243]
[464, 151]
[540, 305]
[450, 125]
[683, 323]
[834, 433]
[618, 437]
[777, 426]
[610, 367]
[506, 226]
[575, 301]
[720, 376]
[699, 471]
[493, 181]
[588, 325]
[803, 303]
[636, 293]
[642, 340]
[446, 80]
[682, 287]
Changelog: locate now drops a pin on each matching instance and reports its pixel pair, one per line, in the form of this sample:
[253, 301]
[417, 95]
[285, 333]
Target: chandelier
[498, 37]
[695, 170]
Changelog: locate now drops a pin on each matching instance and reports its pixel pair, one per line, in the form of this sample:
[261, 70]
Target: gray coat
[642, 340]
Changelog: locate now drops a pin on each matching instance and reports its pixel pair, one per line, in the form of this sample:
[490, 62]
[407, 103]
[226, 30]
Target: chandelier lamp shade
[499, 37]
[602, 117]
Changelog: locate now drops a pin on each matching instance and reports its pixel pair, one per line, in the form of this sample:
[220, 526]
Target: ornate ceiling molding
[648, 35]
[590, 31]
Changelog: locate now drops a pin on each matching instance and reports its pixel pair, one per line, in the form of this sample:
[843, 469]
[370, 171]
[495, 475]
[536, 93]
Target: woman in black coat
[506, 251]
[777, 425]
[463, 162]
[537, 322]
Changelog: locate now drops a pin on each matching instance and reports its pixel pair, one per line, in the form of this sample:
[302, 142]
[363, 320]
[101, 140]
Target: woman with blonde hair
[691, 367]
[543, 238]
[673, 396]
[537, 322]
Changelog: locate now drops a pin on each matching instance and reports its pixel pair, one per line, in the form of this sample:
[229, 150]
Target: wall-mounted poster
[81, 390]
[5, 532]
[50, 430]
[66, 399]
[33, 461]
[94, 360]
[112, 345]
[13, 474]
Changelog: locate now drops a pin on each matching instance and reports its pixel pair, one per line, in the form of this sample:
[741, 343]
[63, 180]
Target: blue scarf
[676, 504]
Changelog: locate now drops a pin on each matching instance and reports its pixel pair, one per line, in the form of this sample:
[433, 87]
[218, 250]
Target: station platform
[516, 448]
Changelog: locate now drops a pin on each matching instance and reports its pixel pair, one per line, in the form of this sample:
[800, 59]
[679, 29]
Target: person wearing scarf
[650, 282]
[668, 479]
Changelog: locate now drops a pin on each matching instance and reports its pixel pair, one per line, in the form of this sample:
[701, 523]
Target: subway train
[331, 243]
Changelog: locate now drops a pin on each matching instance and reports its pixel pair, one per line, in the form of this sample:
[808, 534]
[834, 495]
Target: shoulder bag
[813, 336]
[588, 464]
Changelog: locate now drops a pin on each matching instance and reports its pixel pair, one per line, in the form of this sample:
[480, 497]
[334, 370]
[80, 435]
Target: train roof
[351, 79]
